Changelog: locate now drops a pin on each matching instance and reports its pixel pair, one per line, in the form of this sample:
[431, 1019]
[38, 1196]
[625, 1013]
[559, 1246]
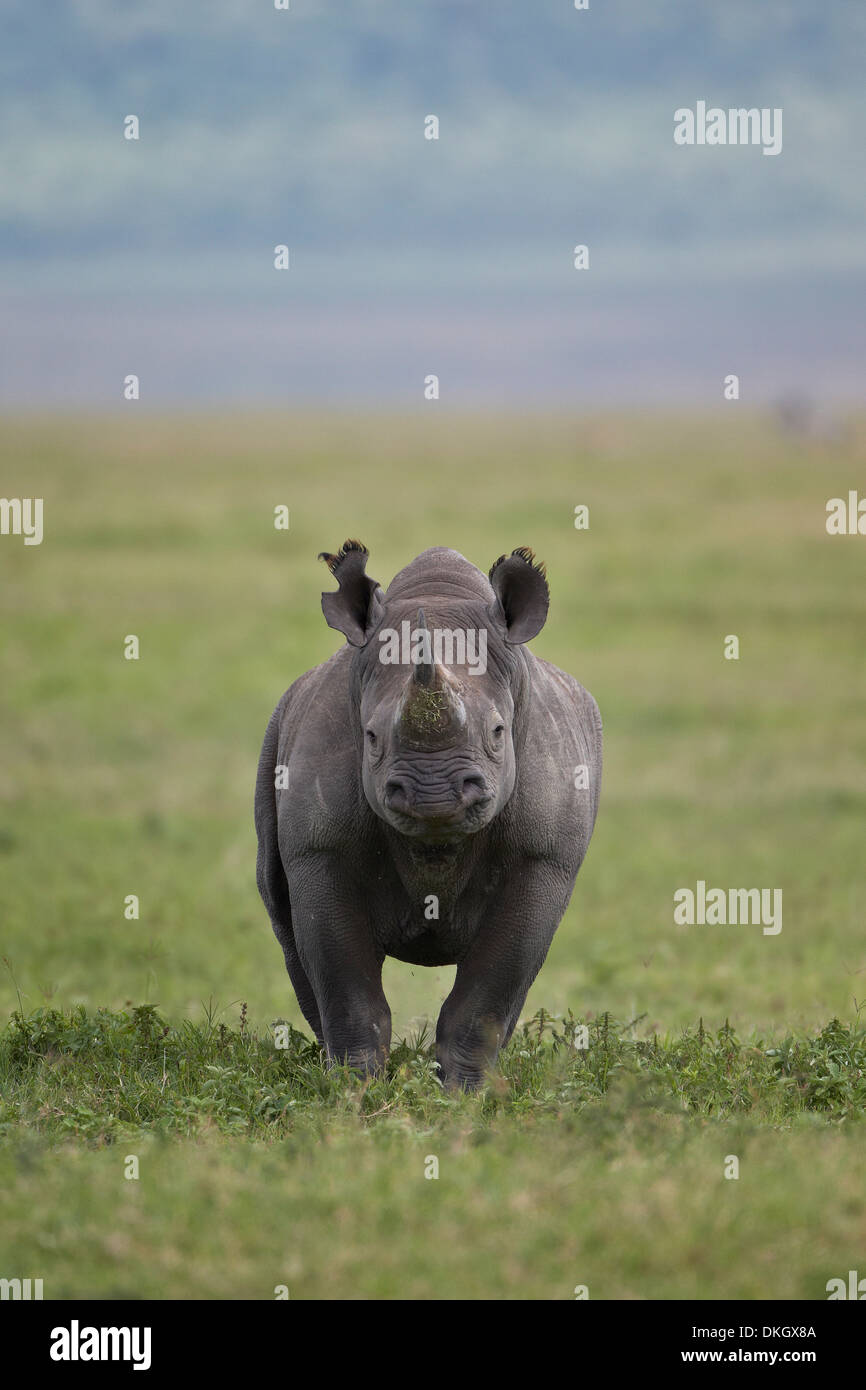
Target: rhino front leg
[357, 1026]
[339, 957]
[494, 977]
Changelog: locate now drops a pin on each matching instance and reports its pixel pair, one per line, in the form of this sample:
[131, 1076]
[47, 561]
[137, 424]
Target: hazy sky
[412, 256]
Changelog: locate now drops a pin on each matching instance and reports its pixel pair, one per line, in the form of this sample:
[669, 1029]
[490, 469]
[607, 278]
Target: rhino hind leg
[271, 879]
[301, 985]
[275, 893]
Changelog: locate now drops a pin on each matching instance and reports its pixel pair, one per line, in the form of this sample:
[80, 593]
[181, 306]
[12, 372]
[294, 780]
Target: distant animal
[427, 794]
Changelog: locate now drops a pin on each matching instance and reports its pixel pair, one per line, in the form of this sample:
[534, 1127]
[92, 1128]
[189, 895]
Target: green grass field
[135, 777]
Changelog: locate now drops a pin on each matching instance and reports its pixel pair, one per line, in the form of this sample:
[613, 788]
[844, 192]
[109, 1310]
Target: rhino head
[438, 684]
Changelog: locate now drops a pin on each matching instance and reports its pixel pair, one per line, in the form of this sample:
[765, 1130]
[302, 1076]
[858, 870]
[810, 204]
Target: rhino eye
[371, 738]
[499, 731]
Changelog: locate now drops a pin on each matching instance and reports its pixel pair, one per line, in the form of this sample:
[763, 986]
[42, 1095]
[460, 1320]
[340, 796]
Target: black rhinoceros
[428, 793]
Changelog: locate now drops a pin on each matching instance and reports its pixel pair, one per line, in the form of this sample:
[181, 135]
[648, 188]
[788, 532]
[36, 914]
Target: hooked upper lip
[438, 821]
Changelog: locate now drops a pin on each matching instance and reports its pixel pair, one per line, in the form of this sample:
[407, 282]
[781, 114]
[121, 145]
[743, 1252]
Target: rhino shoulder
[319, 795]
[560, 775]
[318, 698]
[557, 690]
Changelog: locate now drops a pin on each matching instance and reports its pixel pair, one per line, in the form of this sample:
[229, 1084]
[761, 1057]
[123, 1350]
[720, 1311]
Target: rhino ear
[357, 605]
[522, 596]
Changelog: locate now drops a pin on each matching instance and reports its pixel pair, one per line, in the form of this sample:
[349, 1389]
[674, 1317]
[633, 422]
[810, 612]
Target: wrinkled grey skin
[406, 781]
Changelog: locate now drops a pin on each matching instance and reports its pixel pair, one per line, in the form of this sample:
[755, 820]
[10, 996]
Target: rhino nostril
[472, 788]
[397, 796]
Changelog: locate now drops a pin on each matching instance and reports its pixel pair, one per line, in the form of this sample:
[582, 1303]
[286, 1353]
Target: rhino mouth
[440, 825]
[438, 803]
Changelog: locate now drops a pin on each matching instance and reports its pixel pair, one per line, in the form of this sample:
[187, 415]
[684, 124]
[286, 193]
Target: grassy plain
[121, 777]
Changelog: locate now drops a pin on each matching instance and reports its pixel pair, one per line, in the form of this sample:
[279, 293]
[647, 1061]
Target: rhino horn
[424, 672]
[432, 712]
